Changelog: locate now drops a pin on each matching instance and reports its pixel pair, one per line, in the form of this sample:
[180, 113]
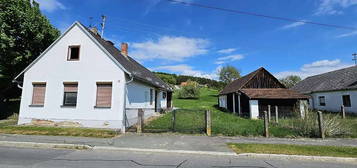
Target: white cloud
[50, 5]
[229, 58]
[169, 48]
[333, 7]
[347, 34]
[184, 69]
[292, 25]
[315, 68]
[227, 50]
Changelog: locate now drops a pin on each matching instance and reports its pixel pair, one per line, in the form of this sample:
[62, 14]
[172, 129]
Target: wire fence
[180, 120]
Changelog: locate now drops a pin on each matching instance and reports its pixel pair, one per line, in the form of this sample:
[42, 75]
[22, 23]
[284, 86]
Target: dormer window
[73, 53]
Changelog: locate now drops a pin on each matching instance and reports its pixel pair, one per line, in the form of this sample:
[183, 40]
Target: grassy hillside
[223, 123]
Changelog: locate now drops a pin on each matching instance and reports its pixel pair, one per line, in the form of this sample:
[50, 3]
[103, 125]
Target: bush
[308, 126]
[189, 91]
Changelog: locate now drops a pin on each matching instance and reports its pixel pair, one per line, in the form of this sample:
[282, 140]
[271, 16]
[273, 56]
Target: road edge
[110, 148]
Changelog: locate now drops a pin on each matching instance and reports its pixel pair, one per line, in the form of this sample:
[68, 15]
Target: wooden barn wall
[285, 107]
[264, 80]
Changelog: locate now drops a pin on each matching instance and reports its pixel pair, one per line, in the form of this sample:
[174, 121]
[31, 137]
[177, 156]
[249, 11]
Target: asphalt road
[55, 158]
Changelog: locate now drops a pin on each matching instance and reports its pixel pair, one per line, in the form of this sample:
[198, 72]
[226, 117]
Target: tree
[170, 79]
[24, 34]
[189, 91]
[228, 74]
[290, 81]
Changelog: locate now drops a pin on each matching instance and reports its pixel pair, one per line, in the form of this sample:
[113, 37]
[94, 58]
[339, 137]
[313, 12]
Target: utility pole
[103, 24]
[355, 58]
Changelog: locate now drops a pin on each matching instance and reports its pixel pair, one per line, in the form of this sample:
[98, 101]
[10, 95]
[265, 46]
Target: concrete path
[300, 141]
[172, 141]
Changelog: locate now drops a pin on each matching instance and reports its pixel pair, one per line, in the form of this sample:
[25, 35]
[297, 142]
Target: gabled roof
[239, 83]
[273, 93]
[343, 79]
[133, 67]
[128, 64]
[242, 82]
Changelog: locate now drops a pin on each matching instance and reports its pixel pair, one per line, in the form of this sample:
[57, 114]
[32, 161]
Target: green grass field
[307, 150]
[223, 123]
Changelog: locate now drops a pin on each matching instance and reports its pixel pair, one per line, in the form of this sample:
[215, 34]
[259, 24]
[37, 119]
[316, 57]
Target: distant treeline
[174, 79]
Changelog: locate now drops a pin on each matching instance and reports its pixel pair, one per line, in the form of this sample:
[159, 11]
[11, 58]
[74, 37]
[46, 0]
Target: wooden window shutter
[104, 95]
[39, 91]
[70, 87]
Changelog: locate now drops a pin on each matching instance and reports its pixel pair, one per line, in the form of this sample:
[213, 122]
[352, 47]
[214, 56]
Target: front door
[156, 101]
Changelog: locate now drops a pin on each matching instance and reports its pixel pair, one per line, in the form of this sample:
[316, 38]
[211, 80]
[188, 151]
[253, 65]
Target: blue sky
[182, 39]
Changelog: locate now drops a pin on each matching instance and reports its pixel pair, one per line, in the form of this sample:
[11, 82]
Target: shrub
[189, 91]
[308, 126]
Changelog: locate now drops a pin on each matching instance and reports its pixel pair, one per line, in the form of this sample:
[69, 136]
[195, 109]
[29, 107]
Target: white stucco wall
[254, 109]
[139, 97]
[223, 101]
[334, 101]
[54, 69]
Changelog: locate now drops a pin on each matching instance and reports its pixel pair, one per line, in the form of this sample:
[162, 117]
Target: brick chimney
[94, 30]
[124, 49]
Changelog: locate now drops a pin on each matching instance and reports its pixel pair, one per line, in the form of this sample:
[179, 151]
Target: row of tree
[24, 34]
[174, 79]
[227, 74]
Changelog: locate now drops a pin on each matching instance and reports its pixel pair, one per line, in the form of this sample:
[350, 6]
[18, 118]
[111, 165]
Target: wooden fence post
[321, 125]
[208, 123]
[276, 115]
[266, 124]
[269, 113]
[140, 124]
[343, 112]
[173, 120]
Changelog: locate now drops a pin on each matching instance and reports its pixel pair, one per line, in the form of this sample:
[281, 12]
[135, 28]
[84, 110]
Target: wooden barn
[251, 95]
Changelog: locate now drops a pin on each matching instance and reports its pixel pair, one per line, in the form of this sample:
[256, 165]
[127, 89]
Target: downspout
[18, 84]
[125, 95]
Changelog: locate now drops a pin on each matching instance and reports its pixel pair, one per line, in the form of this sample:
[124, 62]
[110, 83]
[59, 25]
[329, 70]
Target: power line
[262, 15]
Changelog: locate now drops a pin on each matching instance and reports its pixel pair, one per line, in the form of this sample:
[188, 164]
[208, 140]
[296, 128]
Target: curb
[109, 148]
[299, 157]
[164, 151]
[43, 145]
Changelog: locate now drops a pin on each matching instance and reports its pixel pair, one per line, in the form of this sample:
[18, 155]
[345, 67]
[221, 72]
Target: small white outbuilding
[84, 79]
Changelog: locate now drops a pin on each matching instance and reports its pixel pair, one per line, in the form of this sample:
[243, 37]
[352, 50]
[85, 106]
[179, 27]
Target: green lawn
[223, 123]
[9, 127]
[308, 150]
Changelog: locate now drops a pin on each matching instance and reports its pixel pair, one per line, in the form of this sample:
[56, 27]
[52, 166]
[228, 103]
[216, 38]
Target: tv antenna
[103, 24]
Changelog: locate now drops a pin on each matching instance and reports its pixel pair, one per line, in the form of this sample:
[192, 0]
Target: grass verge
[58, 131]
[9, 127]
[307, 150]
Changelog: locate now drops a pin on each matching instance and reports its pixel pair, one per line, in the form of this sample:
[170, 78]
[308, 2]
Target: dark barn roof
[244, 81]
[238, 83]
[137, 70]
[343, 79]
[261, 84]
[273, 93]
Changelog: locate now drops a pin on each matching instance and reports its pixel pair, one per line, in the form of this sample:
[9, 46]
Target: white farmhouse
[331, 90]
[82, 78]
